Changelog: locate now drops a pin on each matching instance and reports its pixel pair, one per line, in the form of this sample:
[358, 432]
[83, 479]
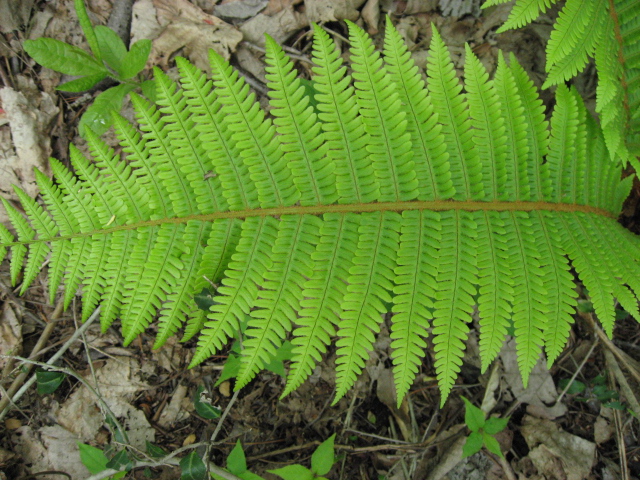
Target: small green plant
[96, 461]
[595, 390]
[482, 431]
[109, 57]
[321, 462]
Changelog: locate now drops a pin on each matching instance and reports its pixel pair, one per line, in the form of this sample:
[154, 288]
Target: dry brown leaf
[556, 453]
[48, 449]
[321, 11]
[26, 144]
[10, 334]
[279, 26]
[175, 25]
[541, 391]
[117, 381]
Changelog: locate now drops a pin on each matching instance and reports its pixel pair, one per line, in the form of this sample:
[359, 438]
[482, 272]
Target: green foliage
[203, 406]
[595, 390]
[482, 430]
[96, 461]
[606, 31]
[48, 382]
[192, 467]
[109, 58]
[322, 460]
[387, 201]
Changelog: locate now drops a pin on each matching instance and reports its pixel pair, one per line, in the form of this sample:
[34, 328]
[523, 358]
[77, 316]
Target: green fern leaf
[396, 202]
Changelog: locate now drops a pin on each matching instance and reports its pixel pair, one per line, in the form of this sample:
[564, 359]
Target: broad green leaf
[149, 89]
[472, 445]
[121, 461]
[323, 458]
[204, 409]
[473, 416]
[111, 46]
[93, 458]
[236, 461]
[48, 382]
[62, 57]
[492, 445]
[192, 467]
[98, 115]
[136, 59]
[231, 368]
[154, 451]
[81, 84]
[87, 28]
[576, 386]
[293, 472]
[494, 425]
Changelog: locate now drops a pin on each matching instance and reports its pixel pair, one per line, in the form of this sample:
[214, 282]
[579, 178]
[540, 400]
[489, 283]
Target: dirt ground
[551, 435]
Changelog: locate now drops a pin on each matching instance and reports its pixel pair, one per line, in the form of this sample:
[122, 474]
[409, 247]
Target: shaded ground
[151, 392]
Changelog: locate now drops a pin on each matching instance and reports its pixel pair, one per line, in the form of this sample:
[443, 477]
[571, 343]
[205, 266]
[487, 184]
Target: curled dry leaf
[175, 25]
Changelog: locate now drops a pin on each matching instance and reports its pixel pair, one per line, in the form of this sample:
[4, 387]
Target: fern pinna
[609, 32]
[383, 199]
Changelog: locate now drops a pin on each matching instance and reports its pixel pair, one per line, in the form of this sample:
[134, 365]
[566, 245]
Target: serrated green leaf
[111, 46]
[98, 115]
[323, 458]
[93, 458]
[472, 445]
[473, 416]
[494, 425]
[87, 28]
[81, 84]
[204, 409]
[62, 57]
[293, 472]
[492, 444]
[136, 59]
[236, 461]
[48, 382]
[192, 467]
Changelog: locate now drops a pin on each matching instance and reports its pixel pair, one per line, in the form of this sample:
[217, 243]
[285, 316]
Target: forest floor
[552, 434]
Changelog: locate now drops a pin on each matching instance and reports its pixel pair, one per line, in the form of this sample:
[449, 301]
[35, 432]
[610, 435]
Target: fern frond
[453, 299]
[524, 11]
[389, 145]
[429, 150]
[254, 134]
[489, 135]
[392, 201]
[322, 295]
[495, 284]
[450, 104]
[369, 285]
[413, 294]
[518, 181]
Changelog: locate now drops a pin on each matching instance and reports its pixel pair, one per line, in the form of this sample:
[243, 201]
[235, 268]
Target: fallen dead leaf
[30, 114]
[174, 411]
[50, 448]
[541, 391]
[459, 8]
[240, 9]
[117, 381]
[556, 453]
[12, 423]
[10, 334]
[321, 11]
[175, 25]
[279, 26]
[189, 440]
[371, 16]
